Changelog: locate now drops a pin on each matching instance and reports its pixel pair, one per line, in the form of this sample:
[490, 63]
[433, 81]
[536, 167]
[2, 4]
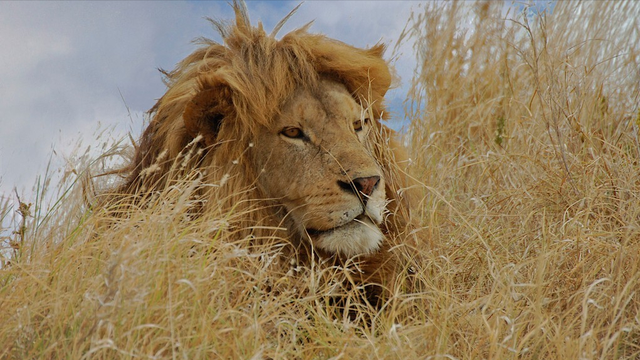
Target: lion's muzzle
[357, 233]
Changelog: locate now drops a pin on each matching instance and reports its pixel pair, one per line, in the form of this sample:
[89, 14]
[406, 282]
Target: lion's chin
[358, 237]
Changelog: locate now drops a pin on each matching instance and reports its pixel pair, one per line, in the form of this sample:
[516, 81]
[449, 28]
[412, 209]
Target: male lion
[288, 133]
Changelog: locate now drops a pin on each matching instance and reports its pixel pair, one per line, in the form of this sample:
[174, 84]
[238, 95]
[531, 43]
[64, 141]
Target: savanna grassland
[523, 138]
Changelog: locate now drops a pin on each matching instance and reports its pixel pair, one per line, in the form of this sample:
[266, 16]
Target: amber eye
[292, 132]
[357, 125]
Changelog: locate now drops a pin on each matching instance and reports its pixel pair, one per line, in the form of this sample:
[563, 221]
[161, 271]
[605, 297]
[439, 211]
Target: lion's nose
[366, 185]
[361, 186]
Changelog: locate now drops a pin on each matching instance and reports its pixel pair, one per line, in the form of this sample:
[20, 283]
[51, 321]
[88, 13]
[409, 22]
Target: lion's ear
[356, 68]
[207, 110]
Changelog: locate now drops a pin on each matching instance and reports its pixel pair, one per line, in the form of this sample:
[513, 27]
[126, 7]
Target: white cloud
[64, 64]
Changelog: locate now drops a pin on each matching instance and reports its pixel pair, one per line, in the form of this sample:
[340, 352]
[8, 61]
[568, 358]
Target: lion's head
[288, 129]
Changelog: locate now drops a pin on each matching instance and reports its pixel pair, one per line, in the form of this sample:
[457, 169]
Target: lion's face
[316, 162]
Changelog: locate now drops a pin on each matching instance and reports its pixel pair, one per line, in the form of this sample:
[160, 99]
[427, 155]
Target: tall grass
[524, 138]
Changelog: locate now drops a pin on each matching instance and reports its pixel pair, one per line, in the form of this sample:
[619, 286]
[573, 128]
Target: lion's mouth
[360, 219]
[359, 236]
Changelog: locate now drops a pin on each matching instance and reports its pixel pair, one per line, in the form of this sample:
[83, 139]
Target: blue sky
[68, 69]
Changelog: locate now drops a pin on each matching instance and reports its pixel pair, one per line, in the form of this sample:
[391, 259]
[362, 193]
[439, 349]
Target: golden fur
[223, 117]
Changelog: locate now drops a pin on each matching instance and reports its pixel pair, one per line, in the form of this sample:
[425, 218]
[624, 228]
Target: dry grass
[524, 134]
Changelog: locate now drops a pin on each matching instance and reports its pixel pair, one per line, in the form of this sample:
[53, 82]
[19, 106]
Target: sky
[69, 70]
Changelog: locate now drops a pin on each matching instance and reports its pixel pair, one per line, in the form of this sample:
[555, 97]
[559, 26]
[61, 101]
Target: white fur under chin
[354, 238]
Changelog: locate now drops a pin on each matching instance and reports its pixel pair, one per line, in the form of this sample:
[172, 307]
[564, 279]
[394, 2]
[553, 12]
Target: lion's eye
[292, 132]
[357, 125]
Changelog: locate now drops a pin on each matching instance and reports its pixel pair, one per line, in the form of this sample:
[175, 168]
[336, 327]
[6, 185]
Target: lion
[289, 133]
